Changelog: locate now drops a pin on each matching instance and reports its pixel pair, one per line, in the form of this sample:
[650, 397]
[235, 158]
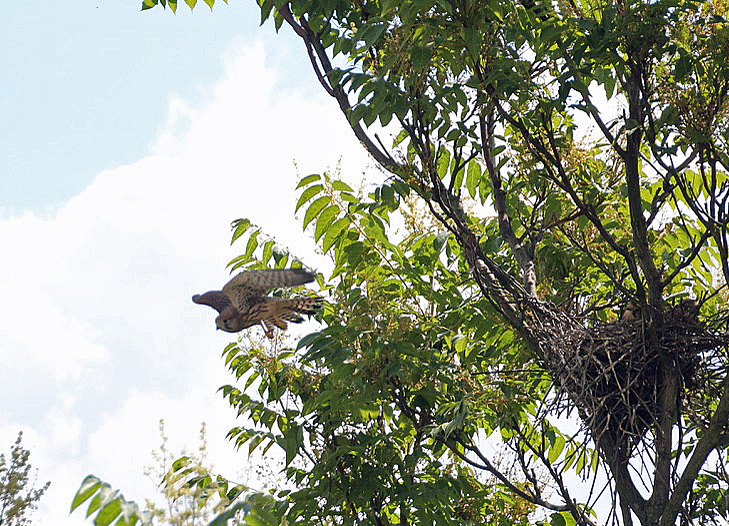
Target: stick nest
[613, 372]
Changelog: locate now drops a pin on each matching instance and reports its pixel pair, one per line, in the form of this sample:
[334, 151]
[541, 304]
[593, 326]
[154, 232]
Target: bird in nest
[243, 302]
[687, 308]
[631, 312]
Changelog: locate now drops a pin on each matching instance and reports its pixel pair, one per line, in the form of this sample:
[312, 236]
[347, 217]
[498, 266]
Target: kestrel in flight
[243, 302]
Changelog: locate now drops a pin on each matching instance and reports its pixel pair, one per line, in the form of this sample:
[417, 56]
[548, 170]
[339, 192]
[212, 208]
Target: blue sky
[128, 143]
[86, 83]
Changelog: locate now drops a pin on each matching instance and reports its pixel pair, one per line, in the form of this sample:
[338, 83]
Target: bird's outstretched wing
[250, 285]
[214, 298]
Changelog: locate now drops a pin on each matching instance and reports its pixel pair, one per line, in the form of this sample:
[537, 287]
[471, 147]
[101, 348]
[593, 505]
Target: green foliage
[548, 211]
[485, 100]
[409, 374]
[255, 510]
[710, 496]
[149, 4]
[18, 495]
[186, 503]
[110, 506]
[192, 492]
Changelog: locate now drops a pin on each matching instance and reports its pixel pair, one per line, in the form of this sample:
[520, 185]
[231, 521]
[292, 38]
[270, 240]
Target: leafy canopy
[552, 211]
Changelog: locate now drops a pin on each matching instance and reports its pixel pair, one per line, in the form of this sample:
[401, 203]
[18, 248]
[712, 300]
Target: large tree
[573, 157]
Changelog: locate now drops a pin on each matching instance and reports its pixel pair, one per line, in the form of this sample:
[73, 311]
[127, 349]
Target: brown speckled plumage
[243, 302]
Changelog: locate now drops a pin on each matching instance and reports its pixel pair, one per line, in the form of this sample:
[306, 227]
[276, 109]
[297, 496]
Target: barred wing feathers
[250, 286]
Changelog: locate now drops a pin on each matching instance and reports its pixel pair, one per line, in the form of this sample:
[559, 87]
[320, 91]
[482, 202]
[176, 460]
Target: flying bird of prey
[243, 302]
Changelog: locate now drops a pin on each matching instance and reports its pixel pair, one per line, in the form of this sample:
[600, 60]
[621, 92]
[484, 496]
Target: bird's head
[229, 322]
[221, 323]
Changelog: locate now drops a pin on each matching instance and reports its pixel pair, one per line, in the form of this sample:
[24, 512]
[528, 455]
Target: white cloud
[99, 338]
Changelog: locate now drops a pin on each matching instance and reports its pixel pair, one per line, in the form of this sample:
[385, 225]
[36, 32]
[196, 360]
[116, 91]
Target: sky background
[129, 141]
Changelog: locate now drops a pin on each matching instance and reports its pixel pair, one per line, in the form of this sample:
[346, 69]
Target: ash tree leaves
[149, 4]
[272, 253]
[488, 99]
[340, 219]
[429, 334]
[331, 217]
[367, 409]
[109, 506]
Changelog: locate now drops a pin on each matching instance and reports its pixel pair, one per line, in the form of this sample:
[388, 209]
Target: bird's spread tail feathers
[290, 310]
[307, 306]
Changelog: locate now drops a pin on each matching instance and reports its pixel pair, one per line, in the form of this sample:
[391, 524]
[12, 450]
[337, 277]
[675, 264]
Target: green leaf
[224, 517]
[108, 513]
[370, 33]
[341, 186]
[307, 194]
[308, 180]
[440, 240]
[315, 208]
[292, 440]
[444, 159]
[458, 178]
[110, 506]
[325, 219]
[333, 233]
[355, 251]
[267, 252]
[252, 244]
[240, 227]
[181, 462]
[89, 486]
[400, 137]
[473, 178]
[556, 450]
